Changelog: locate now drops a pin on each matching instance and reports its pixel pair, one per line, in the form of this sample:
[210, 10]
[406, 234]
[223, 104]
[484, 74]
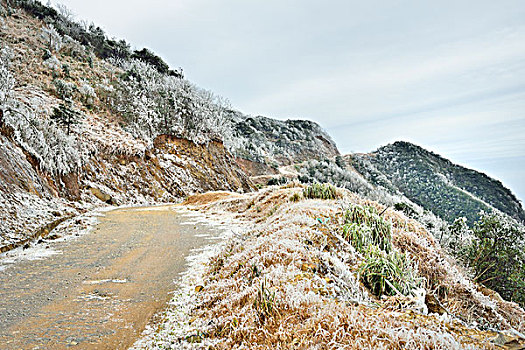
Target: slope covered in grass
[296, 279]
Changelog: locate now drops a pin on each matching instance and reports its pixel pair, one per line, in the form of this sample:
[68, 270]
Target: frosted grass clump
[320, 191]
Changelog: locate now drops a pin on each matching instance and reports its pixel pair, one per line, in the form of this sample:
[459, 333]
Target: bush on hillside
[66, 116]
[155, 61]
[52, 39]
[56, 152]
[320, 191]
[63, 23]
[330, 171]
[277, 181]
[496, 255]
[151, 104]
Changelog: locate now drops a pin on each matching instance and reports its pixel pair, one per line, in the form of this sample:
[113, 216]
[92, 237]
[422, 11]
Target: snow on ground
[42, 248]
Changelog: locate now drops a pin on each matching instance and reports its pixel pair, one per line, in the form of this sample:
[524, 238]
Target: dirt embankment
[173, 169]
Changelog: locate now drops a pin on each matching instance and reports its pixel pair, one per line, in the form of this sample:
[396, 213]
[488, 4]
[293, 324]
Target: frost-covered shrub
[155, 61]
[87, 94]
[458, 237]
[51, 37]
[73, 48]
[56, 152]
[406, 208]
[66, 69]
[328, 171]
[152, 104]
[496, 255]
[7, 81]
[277, 181]
[64, 89]
[53, 63]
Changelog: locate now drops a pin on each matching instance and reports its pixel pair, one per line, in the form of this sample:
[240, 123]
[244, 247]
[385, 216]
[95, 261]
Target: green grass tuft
[364, 226]
[296, 197]
[321, 191]
[387, 273]
[265, 303]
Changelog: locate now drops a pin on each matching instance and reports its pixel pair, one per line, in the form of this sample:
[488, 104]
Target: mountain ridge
[404, 161]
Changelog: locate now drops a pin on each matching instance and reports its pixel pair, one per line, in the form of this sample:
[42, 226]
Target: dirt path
[101, 290]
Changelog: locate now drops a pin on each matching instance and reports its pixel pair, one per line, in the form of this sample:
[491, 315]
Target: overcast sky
[447, 75]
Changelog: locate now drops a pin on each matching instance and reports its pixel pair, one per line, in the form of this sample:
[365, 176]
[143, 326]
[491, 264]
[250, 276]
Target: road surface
[102, 289]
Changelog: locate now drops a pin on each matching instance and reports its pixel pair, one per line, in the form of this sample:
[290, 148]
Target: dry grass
[291, 283]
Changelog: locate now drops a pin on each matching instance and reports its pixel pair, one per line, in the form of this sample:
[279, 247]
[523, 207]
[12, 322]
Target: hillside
[433, 182]
[265, 144]
[295, 277]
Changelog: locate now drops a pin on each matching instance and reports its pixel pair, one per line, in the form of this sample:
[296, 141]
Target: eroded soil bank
[100, 290]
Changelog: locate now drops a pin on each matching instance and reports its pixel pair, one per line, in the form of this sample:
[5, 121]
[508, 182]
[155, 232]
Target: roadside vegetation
[310, 274]
[494, 251]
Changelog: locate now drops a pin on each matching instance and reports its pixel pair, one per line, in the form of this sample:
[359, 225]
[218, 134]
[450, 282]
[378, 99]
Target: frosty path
[101, 289]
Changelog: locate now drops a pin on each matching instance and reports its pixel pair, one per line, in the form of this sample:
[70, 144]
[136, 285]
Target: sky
[446, 75]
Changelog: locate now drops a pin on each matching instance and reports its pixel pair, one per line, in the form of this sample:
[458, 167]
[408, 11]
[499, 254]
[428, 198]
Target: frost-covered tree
[64, 89]
[65, 12]
[152, 103]
[87, 93]
[328, 170]
[459, 237]
[66, 116]
[57, 153]
[51, 37]
[497, 256]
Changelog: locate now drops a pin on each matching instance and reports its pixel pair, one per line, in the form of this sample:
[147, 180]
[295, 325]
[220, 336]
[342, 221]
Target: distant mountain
[435, 183]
